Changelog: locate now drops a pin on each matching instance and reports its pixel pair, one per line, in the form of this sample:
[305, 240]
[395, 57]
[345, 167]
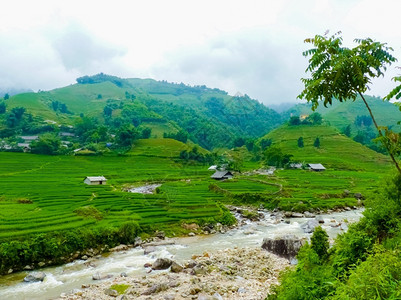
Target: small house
[316, 167]
[213, 168]
[220, 175]
[95, 180]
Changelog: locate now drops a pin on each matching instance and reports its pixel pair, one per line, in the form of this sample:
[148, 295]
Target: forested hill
[209, 117]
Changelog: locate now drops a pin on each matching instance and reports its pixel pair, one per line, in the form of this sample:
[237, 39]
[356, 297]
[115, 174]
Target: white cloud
[251, 46]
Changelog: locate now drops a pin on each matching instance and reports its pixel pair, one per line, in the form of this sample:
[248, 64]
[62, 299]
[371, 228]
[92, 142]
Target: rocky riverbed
[235, 266]
[239, 273]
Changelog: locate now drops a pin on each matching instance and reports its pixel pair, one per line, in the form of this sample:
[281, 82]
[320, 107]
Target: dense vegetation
[98, 106]
[364, 262]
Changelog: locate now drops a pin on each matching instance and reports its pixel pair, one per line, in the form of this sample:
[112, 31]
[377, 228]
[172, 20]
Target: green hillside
[340, 115]
[336, 150]
[349, 166]
[210, 117]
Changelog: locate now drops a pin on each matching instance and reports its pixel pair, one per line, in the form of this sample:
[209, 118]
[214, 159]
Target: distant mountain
[210, 117]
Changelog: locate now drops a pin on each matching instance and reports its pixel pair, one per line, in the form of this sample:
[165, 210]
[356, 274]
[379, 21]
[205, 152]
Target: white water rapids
[69, 277]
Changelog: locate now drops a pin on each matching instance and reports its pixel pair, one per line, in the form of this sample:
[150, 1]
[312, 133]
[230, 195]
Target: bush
[320, 242]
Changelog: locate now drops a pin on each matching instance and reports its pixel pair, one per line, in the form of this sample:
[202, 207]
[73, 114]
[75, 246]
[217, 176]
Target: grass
[46, 193]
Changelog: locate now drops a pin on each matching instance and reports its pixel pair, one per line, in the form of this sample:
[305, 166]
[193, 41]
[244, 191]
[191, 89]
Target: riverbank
[239, 273]
[75, 277]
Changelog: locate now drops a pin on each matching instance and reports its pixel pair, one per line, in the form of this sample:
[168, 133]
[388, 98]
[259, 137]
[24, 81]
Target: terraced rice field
[40, 193]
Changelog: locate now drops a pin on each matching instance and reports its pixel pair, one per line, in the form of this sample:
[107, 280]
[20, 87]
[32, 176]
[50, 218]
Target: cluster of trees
[181, 136]
[99, 78]
[195, 155]
[61, 107]
[313, 119]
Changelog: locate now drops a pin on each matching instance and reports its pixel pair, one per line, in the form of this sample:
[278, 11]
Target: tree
[107, 111]
[264, 143]
[146, 132]
[294, 121]
[126, 135]
[18, 112]
[239, 142]
[343, 73]
[316, 143]
[347, 130]
[2, 107]
[301, 142]
[46, 144]
[6, 96]
[315, 118]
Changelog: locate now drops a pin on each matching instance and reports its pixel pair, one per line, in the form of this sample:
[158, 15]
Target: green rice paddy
[40, 194]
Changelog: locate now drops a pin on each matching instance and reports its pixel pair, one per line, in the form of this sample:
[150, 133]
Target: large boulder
[162, 264]
[310, 225]
[286, 246]
[35, 277]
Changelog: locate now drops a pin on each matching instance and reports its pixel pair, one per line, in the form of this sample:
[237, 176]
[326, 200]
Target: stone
[137, 241]
[344, 226]
[191, 234]
[285, 246]
[176, 268]
[358, 196]
[41, 264]
[85, 257]
[28, 267]
[147, 265]
[346, 193]
[310, 226]
[297, 215]
[162, 264]
[192, 226]
[203, 297]
[347, 208]
[121, 247]
[123, 274]
[194, 290]
[294, 261]
[35, 277]
[156, 288]
[242, 290]
[10, 271]
[149, 249]
[169, 297]
[198, 270]
[319, 219]
[111, 292]
[161, 235]
[100, 276]
[308, 214]
[190, 264]
[217, 296]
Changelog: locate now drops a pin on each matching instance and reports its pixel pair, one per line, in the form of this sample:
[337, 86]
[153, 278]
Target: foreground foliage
[364, 263]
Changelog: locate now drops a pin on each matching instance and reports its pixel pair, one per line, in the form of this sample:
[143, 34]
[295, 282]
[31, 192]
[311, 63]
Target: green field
[46, 193]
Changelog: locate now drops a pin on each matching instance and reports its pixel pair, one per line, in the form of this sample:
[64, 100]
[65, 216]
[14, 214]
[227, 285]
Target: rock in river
[285, 246]
[35, 276]
[162, 264]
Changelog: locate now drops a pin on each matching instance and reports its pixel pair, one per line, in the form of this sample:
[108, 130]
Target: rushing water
[71, 276]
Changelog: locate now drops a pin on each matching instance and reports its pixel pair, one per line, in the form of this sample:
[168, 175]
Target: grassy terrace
[43, 193]
[55, 187]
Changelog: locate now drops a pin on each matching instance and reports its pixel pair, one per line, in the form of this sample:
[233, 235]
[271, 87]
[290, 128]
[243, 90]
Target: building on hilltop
[95, 180]
[316, 167]
[220, 175]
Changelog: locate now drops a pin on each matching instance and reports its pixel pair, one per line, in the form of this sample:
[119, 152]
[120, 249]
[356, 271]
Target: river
[69, 277]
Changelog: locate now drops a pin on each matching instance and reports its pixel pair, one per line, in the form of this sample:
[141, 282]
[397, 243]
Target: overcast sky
[253, 47]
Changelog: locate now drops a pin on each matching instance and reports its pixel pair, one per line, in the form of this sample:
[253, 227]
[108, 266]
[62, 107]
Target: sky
[253, 47]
